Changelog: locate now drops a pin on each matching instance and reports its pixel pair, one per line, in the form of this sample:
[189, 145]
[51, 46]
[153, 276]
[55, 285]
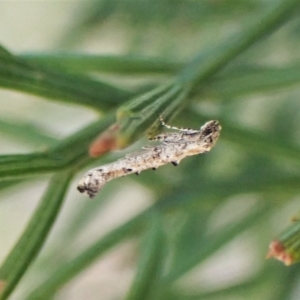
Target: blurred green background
[197, 231]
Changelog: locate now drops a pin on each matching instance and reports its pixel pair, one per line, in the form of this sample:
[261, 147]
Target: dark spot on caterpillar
[81, 189]
[207, 131]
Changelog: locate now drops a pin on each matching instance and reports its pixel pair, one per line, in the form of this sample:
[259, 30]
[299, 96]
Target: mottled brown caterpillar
[173, 148]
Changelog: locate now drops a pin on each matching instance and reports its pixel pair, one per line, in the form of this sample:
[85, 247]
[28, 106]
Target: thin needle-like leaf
[233, 82]
[213, 244]
[71, 269]
[27, 132]
[18, 74]
[206, 64]
[35, 234]
[67, 271]
[137, 116]
[123, 64]
[149, 264]
[66, 154]
[253, 140]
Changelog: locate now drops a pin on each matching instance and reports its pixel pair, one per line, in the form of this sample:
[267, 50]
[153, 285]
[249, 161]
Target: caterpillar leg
[187, 130]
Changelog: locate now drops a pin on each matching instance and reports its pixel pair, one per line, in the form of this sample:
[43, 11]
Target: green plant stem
[127, 64]
[203, 66]
[70, 152]
[214, 243]
[67, 271]
[231, 83]
[287, 281]
[18, 74]
[251, 140]
[139, 114]
[149, 265]
[35, 234]
[227, 292]
[175, 200]
[26, 132]
[260, 143]
[234, 82]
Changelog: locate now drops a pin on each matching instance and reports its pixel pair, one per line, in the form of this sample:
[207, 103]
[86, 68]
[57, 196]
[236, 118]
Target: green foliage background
[206, 228]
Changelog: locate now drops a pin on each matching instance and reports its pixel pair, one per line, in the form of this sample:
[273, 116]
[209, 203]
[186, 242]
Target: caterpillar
[173, 148]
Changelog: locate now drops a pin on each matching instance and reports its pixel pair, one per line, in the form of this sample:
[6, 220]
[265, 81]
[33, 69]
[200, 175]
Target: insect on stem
[173, 148]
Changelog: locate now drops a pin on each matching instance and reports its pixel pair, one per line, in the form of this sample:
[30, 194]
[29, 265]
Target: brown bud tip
[278, 251]
[105, 142]
[2, 285]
